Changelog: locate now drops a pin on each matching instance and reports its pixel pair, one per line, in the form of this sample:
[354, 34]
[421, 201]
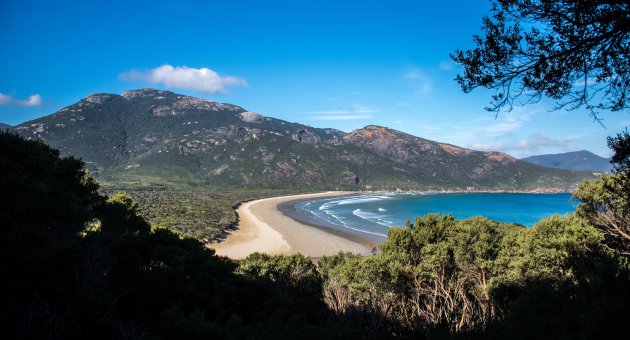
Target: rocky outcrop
[305, 136]
[251, 117]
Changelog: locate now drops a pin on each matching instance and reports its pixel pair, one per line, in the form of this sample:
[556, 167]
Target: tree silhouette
[573, 51]
[78, 265]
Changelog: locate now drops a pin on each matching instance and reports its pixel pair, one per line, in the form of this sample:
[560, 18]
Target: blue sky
[322, 63]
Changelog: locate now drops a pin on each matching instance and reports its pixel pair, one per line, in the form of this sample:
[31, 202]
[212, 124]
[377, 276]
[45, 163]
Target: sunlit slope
[152, 137]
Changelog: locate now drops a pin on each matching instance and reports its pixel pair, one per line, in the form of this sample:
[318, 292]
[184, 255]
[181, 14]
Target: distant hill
[577, 161]
[150, 137]
[4, 126]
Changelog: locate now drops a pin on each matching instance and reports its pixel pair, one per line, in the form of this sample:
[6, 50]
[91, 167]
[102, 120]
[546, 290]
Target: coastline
[289, 209]
[471, 191]
[270, 226]
[264, 228]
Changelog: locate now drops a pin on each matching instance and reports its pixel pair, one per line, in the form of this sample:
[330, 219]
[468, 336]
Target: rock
[251, 117]
[305, 136]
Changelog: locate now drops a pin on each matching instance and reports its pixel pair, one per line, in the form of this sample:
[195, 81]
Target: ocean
[371, 215]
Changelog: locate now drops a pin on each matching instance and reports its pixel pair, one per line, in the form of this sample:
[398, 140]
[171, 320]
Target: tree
[45, 202]
[77, 265]
[605, 202]
[620, 144]
[573, 51]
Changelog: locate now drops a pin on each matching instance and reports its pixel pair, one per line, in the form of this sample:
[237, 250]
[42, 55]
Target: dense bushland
[198, 213]
[475, 276]
[77, 264]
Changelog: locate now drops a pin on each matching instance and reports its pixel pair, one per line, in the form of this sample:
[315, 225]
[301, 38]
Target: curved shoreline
[264, 228]
[289, 209]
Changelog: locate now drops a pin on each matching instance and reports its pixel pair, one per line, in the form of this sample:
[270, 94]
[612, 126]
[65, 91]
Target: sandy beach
[264, 228]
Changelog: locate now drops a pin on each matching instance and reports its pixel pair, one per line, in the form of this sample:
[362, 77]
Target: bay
[374, 214]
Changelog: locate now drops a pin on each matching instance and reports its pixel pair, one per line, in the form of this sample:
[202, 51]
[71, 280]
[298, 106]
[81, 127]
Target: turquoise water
[374, 214]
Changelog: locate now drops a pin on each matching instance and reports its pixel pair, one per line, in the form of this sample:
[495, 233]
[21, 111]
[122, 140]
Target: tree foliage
[81, 265]
[201, 213]
[620, 145]
[605, 202]
[76, 264]
[573, 51]
[471, 277]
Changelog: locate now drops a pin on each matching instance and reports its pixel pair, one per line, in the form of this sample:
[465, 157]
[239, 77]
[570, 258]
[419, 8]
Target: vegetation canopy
[606, 202]
[76, 264]
[573, 51]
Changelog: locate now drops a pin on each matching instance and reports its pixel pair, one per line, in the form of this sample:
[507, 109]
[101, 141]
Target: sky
[339, 64]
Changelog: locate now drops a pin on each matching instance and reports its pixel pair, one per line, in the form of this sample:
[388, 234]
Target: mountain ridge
[156, 137]
[582, 160]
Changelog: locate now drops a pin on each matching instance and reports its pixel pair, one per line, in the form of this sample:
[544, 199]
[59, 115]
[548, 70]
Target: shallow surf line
[374, 214]
[373, 217]
[317, 213]
[265, 228]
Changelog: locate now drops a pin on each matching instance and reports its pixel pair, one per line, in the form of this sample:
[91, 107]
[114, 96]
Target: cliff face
[159, 137]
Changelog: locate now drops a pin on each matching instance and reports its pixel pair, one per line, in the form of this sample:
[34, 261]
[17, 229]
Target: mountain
[152, 137]
[4, 126]
[577, 160]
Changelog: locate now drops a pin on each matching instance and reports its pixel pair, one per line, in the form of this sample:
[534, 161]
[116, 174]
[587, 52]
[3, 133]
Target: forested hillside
[160, 138]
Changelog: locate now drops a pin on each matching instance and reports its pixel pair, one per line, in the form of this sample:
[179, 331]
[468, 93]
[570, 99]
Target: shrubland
[79, 264]
[200, 213]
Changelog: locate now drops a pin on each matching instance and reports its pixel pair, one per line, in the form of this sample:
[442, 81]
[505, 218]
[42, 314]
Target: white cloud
[486, 126]
[535, 143]
[4, 99]
[32, 100]
[509, 121]
[185, 78]
[355, 112]
[342, 117]
[510, 132]
[502, 127]
[422, 83]
[539, 141]
[487, 146]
